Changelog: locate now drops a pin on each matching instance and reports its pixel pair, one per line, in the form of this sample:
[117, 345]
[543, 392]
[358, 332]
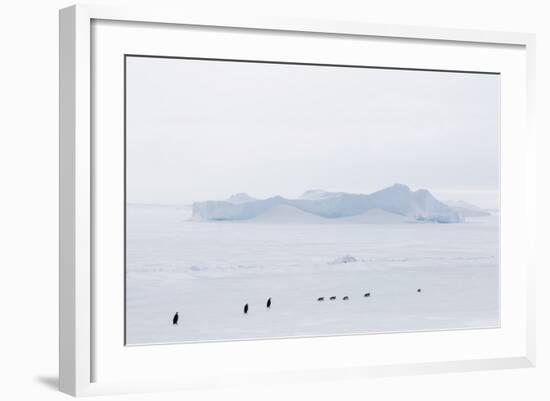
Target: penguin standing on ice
[175, 319]
[268, 303]
[245, 309]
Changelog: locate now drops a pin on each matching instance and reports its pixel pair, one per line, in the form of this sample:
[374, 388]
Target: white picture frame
[80, 343]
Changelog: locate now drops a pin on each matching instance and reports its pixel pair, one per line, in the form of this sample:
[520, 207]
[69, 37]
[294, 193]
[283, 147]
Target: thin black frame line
[373, 67]
[125, 340]
[126, 56]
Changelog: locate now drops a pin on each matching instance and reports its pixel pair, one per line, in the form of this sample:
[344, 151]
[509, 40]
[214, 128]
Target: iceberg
[399, 200]
[466, 209]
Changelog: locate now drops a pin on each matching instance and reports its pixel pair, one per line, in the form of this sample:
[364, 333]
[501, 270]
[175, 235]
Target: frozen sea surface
[207, 271]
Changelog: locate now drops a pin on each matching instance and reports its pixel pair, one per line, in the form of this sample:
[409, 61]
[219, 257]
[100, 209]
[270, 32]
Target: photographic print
[276, 200]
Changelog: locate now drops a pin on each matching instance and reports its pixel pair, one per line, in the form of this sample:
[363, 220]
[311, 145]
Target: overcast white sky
[199, 130]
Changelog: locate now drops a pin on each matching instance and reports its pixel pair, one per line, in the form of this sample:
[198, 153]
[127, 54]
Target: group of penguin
[268, 304]
[345, 298]
[245, 310]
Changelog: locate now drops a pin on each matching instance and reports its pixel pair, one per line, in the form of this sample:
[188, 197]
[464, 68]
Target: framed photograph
[280, 200]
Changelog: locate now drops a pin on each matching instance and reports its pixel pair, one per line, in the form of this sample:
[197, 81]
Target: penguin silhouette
[367, 295]
[320, 299]
[246, 309]
[419, 290]
[346, 298]
[332, 298]
[175, 319]
[268, 303]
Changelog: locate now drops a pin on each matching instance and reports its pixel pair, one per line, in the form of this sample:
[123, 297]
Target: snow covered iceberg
[397, 200]
[467, 209]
